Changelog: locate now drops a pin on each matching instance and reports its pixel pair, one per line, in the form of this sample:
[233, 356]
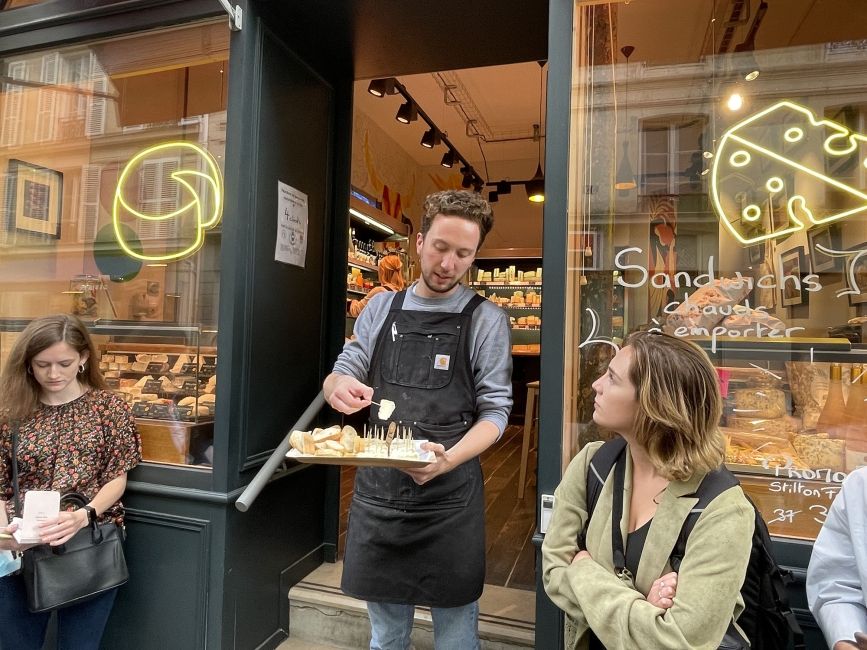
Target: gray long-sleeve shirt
[490, 347]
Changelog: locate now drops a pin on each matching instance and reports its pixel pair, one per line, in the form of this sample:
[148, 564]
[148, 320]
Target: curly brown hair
[680, 405]
[458, 203]
[19, 391]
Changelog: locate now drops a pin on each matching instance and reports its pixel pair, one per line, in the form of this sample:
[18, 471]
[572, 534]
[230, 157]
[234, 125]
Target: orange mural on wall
[391, 199]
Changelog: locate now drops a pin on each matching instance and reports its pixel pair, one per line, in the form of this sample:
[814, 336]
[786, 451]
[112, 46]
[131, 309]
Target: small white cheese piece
[386, 408]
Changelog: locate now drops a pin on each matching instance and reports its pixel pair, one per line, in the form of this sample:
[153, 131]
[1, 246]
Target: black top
[634, 546]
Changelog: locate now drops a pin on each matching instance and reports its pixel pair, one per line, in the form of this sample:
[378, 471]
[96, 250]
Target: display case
[371, 234]
[168, 376]
[512, 279]
[789, 461]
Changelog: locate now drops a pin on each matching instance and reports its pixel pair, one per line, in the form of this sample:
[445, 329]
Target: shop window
[88, 211]
[746, 233]
[45, 103]
[159, 194]
[16, 4]
[671, 154]
[10, 133]
[95, 141]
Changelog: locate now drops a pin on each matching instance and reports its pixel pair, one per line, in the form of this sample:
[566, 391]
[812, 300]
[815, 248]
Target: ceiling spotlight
[504, 187]
[431, 138]
[478, 185]
[381, 87]
[536, 186]
[708, 154]
[407, 113]
[493, 196]
[448, 159]
[752, 75]
[467, 181]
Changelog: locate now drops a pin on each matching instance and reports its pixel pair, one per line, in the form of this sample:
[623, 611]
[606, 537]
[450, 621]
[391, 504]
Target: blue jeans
[455, 628]
[79, 627]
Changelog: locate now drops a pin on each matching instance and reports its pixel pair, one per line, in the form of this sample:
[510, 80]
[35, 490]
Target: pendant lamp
[536, 186]
[624, 179]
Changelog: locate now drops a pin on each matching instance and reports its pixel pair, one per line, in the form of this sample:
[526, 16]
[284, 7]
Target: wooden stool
[531, 415]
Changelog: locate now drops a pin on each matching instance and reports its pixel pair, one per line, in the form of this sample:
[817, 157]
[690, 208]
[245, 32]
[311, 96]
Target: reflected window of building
[111, 158]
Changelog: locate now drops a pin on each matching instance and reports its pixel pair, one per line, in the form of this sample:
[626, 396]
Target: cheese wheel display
[768, 162]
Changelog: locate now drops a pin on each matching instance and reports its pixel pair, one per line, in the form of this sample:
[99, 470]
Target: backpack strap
[711, 486]
[714, 484]
[600, 467]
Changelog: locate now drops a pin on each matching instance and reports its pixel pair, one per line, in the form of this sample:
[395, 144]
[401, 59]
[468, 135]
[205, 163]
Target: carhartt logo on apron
[441, 362]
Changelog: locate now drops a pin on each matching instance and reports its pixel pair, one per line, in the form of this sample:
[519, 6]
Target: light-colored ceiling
[664, 32]
[505, 97]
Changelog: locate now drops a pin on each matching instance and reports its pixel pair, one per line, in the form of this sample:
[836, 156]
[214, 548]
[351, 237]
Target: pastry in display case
[169, 378]
[166, 375]
[792, 409]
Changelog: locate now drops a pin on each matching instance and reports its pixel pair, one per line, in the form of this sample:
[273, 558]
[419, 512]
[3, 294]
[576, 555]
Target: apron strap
[471, 305]
[397, 301]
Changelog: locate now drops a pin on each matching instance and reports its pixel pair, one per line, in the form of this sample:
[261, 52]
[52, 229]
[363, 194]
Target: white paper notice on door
[291, 225]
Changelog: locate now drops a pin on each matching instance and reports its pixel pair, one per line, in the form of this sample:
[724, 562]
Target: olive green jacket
[709, 581]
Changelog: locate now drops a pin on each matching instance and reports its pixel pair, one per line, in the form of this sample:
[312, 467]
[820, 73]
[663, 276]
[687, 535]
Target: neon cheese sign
[198, 214]
[760, 161]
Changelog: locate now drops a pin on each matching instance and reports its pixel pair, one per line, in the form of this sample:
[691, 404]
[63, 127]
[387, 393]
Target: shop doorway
[482, 129]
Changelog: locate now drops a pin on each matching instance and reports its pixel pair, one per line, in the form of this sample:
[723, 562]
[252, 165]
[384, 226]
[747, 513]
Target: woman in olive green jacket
[661, 395]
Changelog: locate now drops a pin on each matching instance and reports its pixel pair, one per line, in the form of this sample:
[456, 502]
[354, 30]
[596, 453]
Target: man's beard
[429, 284]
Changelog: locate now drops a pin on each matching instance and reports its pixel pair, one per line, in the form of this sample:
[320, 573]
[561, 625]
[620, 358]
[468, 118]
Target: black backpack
[767, 619]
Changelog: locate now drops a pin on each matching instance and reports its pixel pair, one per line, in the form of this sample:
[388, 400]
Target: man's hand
[662, 591]
[345, 393]
[442, 463]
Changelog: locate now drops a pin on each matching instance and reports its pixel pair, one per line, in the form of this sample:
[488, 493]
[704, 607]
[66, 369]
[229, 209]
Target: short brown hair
[19, 390]
[458, 203]
[680, 405]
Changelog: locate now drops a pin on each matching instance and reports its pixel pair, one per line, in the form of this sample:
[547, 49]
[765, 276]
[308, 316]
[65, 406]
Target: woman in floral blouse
[73, 436]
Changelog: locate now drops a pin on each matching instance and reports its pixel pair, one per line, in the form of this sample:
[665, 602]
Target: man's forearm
[480, 436]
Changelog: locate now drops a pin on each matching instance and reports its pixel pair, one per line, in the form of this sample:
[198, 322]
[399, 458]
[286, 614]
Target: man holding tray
[442, 354]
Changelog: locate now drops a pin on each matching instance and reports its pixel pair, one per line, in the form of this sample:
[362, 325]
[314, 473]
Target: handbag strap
[15, 490]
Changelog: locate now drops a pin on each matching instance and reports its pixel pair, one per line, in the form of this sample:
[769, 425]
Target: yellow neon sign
[195, 206]
[757, 154]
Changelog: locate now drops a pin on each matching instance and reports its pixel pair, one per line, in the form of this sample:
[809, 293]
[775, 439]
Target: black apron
[409, 543]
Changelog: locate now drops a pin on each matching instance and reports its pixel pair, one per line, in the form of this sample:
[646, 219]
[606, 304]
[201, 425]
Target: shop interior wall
[384, 170]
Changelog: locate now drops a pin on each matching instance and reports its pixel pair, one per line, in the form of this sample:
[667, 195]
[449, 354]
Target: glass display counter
[168, 377]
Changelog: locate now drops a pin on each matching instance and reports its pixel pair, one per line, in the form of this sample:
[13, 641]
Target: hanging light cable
[536, 186]
[625, 179]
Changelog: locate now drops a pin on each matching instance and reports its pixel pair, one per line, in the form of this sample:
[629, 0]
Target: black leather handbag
[90, 563]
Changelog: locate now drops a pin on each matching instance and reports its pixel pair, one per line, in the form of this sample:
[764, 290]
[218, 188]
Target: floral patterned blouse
[74, 447]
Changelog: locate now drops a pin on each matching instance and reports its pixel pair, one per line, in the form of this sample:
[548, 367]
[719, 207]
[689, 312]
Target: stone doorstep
[497, 632]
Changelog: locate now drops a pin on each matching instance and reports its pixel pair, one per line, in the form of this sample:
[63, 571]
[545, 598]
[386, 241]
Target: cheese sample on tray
[379, 444]
[386, 408]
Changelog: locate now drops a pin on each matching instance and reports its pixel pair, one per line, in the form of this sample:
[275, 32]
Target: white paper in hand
[39, 506]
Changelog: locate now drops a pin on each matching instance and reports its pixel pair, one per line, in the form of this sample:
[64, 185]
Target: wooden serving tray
[425, 458]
